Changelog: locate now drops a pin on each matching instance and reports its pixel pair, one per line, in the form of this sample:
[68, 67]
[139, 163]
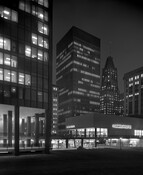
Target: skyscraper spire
[109, 99]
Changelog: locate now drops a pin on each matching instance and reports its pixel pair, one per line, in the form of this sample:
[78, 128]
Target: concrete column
[22, 126]
[66, 143]
[41, 127]
[9, 128]
[81, 142]
[5, 129]
[36, 130]
[95, 138]
[4, 124]
[28, 126]
[48, 118]
[16, 131]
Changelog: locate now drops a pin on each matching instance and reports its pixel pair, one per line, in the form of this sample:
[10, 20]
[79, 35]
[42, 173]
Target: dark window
[21, 93]
[27, 94]
[34, 81]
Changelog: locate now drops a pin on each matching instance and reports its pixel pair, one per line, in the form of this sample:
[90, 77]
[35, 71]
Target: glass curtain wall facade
[26, 68]
[77, 74]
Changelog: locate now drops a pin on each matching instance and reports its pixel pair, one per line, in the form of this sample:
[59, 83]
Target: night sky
[119, 25]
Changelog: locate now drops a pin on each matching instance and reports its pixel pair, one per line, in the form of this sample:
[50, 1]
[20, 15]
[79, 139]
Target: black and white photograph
[71, 87]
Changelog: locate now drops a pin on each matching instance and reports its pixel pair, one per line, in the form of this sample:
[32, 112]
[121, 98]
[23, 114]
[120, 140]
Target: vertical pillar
[82, 142]
[16, 131]
[22, 127]
[48, 118]
[4, 130]
[36, 130]
[67, 143]
[41, 129]
[85, 133]
[4, 124]
[10, 128]
[95, 138]
[28, 131]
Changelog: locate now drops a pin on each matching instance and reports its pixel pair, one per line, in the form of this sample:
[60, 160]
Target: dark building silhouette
[25, 72]
[109, 97]
[133, 93]
[78, 74]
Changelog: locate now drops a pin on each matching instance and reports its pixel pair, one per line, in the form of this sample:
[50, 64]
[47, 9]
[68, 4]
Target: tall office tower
[133, 92]
[25, 72]
[55, 110]
[78, 74]
[109, 98]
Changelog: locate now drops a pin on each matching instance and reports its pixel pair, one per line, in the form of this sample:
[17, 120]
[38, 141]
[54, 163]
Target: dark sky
[117, 22]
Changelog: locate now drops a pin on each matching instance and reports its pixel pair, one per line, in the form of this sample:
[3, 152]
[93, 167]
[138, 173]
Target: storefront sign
[70, 126]
[121, 126]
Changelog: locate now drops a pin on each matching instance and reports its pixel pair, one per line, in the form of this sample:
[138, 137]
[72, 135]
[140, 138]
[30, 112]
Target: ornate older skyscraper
[109, 97]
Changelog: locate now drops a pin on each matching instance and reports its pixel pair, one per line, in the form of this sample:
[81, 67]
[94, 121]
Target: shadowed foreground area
[98, 161]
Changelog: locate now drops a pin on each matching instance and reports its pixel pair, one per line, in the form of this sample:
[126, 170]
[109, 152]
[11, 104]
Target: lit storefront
[108, 130]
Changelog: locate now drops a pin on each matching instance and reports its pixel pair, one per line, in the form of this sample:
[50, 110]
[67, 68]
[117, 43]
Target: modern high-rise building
[78, 74]
[133, 92]
[25, 74]
[55, 111]
[109, 97]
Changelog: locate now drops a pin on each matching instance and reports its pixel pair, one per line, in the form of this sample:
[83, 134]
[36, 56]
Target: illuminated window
[40, 41]
[21, 5]
[14, 16]
[13, 61]
[40, 13]
[46, 3]
[27, 79]
[13, 76]
[102, 132]
[8, 14]
[21, 78]
[46, 45]
[27, 7]
[40, 55]
[1, 74]
[34, 52]
[28, 51]
[130, 79]
[6, 75]
[46, 16]
[1, 42]
[1, 58]
[6, 44]
[136, 77]
[45, 56]
[40, 2]
[43, 28]
[34, 38]
[7, 59]
[33, 10]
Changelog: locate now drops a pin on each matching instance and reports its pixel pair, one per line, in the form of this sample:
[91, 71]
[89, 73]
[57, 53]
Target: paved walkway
[75, 162]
